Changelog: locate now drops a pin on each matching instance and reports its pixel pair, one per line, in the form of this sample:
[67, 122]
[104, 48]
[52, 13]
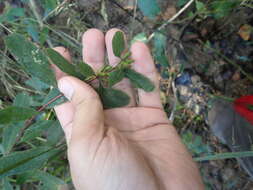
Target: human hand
[133, 147]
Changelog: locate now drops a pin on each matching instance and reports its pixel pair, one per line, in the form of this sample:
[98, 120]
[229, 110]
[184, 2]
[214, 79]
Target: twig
[54, 10]
[39, 110]
[134, 16]
[42, 108]
[129, 13]
[222, 97]
[6, 28]
[172, 114]
[172, 18]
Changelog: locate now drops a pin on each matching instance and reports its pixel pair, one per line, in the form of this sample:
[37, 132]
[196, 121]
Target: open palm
[133, 147]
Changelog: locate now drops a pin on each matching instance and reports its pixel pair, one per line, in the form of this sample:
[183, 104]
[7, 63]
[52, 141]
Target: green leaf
[62, 63]
[37, 84]
[32, 30]
[10, 134]
[139, 80]
[49, 181]
[12, 14]
[85, 70]
[37, 129]
[43, 35]
[149, 8]
[23, 161]
[113, 98]
[115, 77]
[222, 8]
[160, 44]
[181, 3]
[25, 177]
[15, 114]
[24, 100]
[200, 6]
[118, 43]
[106, 68]
[49, 5]
[141, 37]
[31, 58]
[54, 133]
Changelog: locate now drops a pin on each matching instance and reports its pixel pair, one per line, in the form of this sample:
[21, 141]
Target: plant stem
[39, 110]
[172, 18]
[6, 28]
[42, 108]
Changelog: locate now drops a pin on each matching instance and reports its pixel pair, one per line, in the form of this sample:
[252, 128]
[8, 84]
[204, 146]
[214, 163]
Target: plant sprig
[37, 62]
[108, 76]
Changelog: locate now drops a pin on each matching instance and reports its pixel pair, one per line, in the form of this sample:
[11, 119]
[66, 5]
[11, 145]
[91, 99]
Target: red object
[242, 105]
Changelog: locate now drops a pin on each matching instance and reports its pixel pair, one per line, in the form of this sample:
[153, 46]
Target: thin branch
[172, 114]
[39, 110]
[172, 18]
[54, 10]
[129, 13]
[6, 28]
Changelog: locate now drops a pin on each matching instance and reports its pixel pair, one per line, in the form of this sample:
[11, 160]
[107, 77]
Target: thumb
[88, 116]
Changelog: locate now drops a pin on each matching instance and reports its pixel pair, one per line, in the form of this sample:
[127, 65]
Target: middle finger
[94, 48]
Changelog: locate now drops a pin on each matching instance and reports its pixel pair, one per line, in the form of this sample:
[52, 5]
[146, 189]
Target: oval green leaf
[118, 43]
[24, 161]
[113, 98]
[37, 129]
[85, 70]
[139, 80]
[10, 134]
[115, 77]
[14, 114]
[62, 63]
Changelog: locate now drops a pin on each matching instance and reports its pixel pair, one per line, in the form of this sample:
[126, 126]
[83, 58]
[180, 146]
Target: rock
[192, 92]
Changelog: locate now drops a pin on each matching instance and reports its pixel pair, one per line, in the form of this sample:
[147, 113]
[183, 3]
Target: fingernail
[66, 88]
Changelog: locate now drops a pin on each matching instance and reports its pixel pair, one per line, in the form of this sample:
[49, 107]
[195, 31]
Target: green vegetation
[32, 146]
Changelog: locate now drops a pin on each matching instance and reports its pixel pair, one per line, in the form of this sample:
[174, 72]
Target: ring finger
[124, 85]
